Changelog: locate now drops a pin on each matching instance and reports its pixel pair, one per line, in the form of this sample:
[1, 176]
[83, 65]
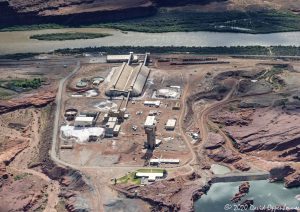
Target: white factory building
[128, 78]
[151, 176]
[161, 160]
[84, 121]
[121, 58]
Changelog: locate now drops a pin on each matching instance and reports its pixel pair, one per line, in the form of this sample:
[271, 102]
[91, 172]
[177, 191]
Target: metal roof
[149, 174]
[150, 121]
[84, 119]
[161, 160]
[171, 123]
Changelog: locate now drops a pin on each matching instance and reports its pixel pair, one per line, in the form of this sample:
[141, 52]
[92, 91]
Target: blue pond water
[262, 192]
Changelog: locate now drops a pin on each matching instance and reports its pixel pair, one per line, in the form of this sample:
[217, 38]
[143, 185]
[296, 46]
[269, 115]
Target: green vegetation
[21, 176]
[69, 36]
[174, 20]
[18, 56]
[235, 50]
[129, 178]
[31, 27]
[151, 170]
[25, 83]
[266, 21]
[19, 85]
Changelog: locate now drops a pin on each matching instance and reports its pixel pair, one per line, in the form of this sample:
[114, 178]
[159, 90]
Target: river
[262, 192]
[19, 41]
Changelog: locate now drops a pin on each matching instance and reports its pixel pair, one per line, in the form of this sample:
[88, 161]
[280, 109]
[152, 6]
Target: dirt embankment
[38, 99]
[73, 185]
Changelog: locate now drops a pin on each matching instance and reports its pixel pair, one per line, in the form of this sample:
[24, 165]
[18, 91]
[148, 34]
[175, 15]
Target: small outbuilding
[152, 103]
[116, 130]
[171, 124]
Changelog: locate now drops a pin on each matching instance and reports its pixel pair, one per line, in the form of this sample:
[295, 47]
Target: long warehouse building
[126, 79]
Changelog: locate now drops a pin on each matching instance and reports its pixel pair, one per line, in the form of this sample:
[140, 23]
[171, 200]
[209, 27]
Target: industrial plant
[122, 109]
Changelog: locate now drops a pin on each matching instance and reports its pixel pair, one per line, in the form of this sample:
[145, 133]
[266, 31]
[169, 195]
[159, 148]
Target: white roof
[149, 174]
[96, 81]
[171, 123]
[112, 119]
[152, 102]
[118, 57]
[161, 160]
[110, 125]
[84, 118]
[117, 128]
[150, 121]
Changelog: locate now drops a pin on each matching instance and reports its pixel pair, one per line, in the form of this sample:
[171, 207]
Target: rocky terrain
[29, 179]
[277, 132]
[243, 190]
[175, 194]
[38, 99]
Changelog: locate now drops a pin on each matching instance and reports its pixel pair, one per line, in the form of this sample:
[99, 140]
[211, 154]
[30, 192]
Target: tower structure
[150, 129]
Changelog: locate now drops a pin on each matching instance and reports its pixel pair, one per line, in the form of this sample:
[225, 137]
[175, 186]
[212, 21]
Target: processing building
[128, 79]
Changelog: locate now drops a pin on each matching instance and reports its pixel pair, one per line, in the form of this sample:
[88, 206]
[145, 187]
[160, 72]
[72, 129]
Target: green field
[68, 36]
[10, 87]
[24, 84]
[130, 177]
